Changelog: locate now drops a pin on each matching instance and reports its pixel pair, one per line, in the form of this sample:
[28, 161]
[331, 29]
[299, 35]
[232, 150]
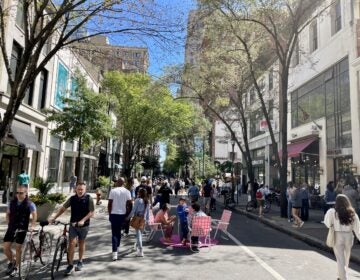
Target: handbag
[330, 239]
[137, 222]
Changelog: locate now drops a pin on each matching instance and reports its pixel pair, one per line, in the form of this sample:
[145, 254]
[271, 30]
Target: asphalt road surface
[250, 251]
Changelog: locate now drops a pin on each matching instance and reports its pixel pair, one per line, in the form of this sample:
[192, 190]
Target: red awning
[294, 149]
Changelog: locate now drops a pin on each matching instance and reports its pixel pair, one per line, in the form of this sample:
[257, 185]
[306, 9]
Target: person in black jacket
[18, 219]
[82, 209]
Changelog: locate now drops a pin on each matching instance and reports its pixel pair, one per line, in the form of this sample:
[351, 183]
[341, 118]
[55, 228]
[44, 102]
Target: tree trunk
[283, 140]
[78, 166]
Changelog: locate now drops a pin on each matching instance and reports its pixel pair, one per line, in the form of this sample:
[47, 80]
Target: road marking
[275, 274]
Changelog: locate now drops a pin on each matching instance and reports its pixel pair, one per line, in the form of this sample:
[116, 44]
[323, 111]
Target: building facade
[30, 145]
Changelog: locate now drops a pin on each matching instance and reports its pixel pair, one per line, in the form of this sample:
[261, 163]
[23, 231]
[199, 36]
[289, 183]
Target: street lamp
[232, 168]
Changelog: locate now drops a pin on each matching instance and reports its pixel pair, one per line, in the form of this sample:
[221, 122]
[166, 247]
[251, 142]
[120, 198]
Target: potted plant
[104, 182]
[44, 201]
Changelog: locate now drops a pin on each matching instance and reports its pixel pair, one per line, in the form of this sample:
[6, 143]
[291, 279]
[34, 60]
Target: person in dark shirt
[18, 219]
[165, 192]
[82, 209]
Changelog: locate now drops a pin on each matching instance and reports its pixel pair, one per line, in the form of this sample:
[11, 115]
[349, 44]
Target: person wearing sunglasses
[18, 219]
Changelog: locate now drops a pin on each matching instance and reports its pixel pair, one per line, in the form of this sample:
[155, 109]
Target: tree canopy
[146, 113]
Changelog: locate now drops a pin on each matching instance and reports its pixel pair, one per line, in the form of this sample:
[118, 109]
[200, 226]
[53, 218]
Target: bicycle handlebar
[60, 223]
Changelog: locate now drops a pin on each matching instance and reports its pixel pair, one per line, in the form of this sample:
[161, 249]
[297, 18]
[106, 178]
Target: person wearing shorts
[296, 201]
[82, 209]
[18, 219]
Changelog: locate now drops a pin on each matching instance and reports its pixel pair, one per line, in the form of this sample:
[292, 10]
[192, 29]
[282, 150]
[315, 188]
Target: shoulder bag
[137, 222]
[330, 239]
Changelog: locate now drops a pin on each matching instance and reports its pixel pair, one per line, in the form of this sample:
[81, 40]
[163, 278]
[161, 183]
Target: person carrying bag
[139, 214]
[343, 221]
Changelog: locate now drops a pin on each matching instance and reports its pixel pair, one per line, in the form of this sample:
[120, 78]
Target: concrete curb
[310, 240]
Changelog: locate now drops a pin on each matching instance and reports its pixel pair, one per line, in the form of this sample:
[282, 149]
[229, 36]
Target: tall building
[108, 57]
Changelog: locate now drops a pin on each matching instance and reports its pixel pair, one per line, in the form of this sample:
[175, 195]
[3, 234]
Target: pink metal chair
[201, 227]
[223, 223]
[154, 227]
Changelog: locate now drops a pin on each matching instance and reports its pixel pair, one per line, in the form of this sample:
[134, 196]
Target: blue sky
[162, 54]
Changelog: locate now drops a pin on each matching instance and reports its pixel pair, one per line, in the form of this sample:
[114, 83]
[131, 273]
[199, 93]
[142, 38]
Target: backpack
[258, 194]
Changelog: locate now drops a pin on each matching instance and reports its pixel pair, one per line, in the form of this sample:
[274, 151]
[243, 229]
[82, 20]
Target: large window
[326, 95]
[336, 17]
[54, 158]
[255, 118]
[14, 61]
[271, 79]
[42, 89]
[20, 15]
[313, 36]
[68, 168]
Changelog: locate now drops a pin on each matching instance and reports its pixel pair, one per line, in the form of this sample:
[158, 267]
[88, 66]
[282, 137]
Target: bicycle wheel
[250, 206]
[267, 207]
[25, 261]
[46, 249]
[58, 254]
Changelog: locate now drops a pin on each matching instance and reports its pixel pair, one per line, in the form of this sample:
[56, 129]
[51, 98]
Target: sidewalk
[313, 232]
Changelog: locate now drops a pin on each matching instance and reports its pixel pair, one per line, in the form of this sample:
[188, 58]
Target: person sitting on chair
[167, 222]
[197, 213]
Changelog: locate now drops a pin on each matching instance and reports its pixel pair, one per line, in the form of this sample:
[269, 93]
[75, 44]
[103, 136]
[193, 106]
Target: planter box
[44, 211]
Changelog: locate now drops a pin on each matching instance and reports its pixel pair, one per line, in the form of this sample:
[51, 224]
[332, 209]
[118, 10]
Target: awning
[24, 136]
[294, 149]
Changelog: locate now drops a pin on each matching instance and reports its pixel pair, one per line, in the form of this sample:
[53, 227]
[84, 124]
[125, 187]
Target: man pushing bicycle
[82, 209]
[18, 219]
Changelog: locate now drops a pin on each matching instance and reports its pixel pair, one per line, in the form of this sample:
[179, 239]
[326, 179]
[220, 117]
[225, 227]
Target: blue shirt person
[23, 179]
[182, 212]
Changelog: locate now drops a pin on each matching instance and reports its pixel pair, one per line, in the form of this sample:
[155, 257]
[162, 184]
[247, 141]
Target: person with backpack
[82, 209]
[260, 198]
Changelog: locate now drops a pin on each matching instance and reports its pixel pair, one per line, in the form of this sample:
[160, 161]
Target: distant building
[114, 58]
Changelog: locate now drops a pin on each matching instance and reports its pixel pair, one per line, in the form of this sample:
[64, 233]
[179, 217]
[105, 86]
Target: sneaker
[114, 256]
[195, 249]
[69, 270]
[295, 226]
[125, 235]
[10, 267]
[289, 220]
[301, 224]
[140, 253]
[79, 266]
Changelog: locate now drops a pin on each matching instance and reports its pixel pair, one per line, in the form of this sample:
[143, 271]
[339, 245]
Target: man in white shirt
[117, 213]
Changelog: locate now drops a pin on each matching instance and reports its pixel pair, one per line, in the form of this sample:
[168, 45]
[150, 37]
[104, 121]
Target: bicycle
[60, 249]
[32, 253]
[252, 204]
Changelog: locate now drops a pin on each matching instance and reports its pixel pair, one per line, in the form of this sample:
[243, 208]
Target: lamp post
[232, 168]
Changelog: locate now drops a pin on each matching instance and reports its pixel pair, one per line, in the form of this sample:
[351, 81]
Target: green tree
[146, 113]
[84, 118]
[48, 26]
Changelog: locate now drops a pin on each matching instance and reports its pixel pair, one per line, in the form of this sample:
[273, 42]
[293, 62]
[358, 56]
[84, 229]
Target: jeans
[116, 224]
[305, 210]
[289, 207]
[138, 239]
[184, 230]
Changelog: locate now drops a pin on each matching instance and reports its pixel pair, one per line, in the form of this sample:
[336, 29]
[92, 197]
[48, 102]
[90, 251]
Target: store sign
[264, 125]
[258, 162]
[334, 152]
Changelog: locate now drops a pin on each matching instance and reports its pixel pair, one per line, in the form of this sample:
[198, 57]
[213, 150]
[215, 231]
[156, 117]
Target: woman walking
[296, 202]
[141, 209]
[345, 221]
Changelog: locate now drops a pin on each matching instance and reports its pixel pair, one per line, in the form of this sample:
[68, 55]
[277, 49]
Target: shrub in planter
[45, 202]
